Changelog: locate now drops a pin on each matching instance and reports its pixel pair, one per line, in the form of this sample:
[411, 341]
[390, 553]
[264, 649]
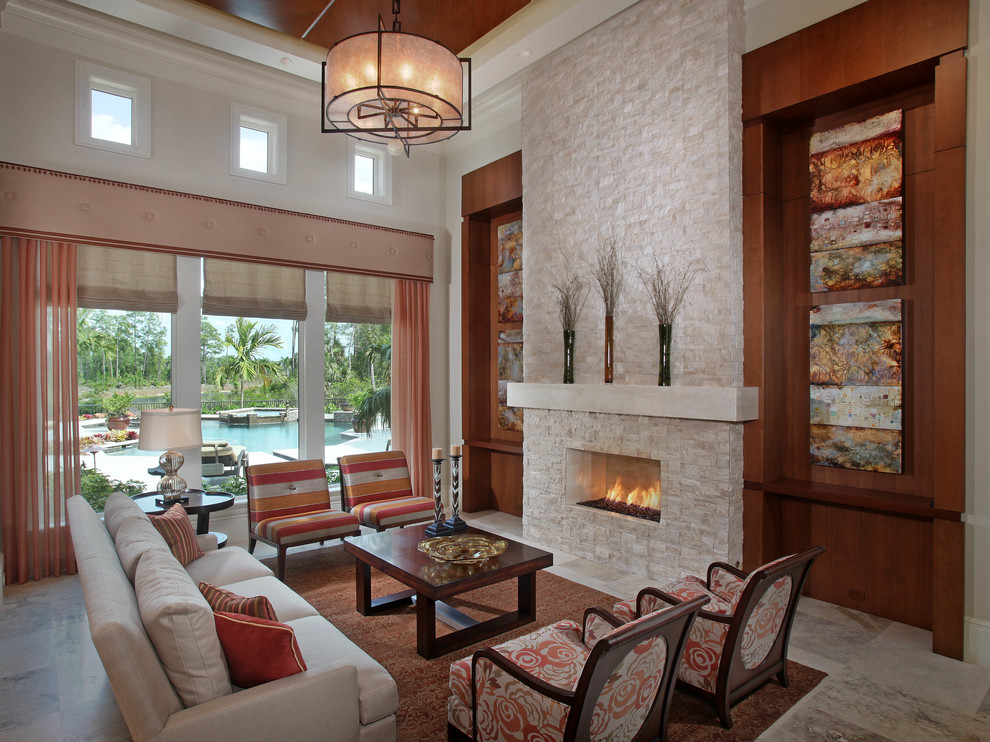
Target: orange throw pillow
[175, 528]
[224, 600]
[257, 650]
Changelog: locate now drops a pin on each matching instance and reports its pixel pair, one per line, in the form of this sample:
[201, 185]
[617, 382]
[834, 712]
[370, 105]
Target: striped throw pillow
[175, 528]
[224, 600]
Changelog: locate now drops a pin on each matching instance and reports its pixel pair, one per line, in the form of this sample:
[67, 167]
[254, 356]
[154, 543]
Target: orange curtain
[411, 425]
[39, 430]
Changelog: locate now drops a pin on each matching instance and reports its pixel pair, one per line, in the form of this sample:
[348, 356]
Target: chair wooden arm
[656, 593]
[726, 567]
[523, 676]
[610, 618]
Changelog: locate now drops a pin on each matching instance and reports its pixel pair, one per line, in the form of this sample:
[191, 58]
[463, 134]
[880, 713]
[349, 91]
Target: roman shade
[131, 280]
[237, 289]
[354, 298]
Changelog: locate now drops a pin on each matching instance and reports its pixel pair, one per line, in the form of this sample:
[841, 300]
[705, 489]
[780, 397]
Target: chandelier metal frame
[384, 111]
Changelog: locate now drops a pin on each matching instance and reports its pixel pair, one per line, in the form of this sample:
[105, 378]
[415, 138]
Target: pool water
[269, 438]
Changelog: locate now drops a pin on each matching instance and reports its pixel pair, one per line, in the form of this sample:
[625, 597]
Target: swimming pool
[269, 438]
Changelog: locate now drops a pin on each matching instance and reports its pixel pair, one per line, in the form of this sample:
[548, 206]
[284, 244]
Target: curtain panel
[411, 423]
[39, 458]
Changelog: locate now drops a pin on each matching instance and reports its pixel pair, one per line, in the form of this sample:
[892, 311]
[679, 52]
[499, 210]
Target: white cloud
[105, 127]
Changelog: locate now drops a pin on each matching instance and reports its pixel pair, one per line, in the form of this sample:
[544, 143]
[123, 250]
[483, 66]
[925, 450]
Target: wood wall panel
[867, 41]
[894, 542]
[492, 463]
[874, 562]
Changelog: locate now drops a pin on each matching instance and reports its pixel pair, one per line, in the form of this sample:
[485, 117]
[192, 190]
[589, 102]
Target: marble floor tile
[30, 651]
[41, 726]
[27, 696]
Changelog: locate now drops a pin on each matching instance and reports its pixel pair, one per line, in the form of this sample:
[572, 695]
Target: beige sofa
[155, 636]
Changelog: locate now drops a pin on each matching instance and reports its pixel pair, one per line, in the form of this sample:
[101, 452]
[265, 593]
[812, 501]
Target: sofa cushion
[322, 643]
[219, 599]
[257, 650]
[225, 566]
[118, 508]
[286, 603]
[180, 624]
[175, 528]
[135, 536]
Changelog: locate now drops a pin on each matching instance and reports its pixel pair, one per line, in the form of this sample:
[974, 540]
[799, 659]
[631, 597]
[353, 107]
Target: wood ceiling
[454, 23]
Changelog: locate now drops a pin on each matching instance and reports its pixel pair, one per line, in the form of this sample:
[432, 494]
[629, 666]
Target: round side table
[201, 503]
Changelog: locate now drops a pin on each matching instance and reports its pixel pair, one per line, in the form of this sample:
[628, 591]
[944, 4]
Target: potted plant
[116, 406]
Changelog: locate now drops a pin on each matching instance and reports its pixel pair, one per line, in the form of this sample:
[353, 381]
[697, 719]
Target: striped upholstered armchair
[377, 489]
[289, 505]
[740, 639]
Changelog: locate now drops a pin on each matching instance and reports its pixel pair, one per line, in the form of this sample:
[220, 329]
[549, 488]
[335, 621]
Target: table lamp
[170, 429]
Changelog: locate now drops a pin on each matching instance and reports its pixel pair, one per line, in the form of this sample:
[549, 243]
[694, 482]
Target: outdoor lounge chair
[221, 459]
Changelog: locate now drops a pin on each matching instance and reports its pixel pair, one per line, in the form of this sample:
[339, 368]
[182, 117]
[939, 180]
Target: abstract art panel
[510, 300]
[510, 368]
[869, 266]
[866, 449]
[855, 376]
[856, 209]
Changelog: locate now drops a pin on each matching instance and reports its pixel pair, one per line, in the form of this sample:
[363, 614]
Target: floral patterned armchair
[567, 682]
[740, 638]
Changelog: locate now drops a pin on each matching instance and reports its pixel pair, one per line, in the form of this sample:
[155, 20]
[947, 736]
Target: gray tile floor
[884, 683]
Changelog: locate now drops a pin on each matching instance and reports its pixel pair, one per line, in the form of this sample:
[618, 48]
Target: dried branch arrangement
[607, 272]
[666, 286]
[572, 292]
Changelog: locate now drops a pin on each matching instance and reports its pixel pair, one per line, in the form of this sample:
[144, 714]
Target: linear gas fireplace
[627, 485]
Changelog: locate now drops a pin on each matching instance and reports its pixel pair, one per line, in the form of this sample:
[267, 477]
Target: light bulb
[395, 147]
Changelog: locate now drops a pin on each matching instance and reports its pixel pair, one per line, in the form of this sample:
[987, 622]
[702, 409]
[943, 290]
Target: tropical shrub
[97, 487]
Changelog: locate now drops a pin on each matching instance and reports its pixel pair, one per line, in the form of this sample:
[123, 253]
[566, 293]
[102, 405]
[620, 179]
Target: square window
[258, 143]
[254, 149]
[111, 117]
[364, 174]
[113, 110]
[369, 172]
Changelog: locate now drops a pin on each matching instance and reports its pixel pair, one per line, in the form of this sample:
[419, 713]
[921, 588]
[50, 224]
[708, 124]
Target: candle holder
[454, 522]
[438, 527]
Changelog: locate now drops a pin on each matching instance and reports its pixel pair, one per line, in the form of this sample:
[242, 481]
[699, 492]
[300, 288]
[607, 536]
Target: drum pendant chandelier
[395, 88]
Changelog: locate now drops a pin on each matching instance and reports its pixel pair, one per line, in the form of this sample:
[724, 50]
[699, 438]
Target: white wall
[192, 89]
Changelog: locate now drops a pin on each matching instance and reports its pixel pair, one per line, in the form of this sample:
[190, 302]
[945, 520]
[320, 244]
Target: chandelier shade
[385, 86]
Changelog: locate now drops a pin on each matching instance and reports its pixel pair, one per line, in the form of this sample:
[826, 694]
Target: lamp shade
[162, 430]
[385, 85]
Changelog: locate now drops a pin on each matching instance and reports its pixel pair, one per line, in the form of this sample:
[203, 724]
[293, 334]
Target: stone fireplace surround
[651, 155]
[701, 478]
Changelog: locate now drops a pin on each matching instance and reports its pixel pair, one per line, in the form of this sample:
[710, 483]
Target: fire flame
[647, 497]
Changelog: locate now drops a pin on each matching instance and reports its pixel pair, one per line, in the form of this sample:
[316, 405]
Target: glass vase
[569, 356]
[609, 349]
[666, 340]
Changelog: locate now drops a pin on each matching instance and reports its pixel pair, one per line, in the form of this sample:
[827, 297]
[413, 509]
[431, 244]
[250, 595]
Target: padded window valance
[103, 212]
[354, 298]
[131, 280]
[239, 289]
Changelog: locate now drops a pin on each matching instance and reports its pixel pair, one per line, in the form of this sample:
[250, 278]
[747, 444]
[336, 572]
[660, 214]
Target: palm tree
[90, 338]
[248, 340]
[375, 407]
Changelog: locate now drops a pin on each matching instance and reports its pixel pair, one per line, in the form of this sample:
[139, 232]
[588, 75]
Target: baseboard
[977, 642]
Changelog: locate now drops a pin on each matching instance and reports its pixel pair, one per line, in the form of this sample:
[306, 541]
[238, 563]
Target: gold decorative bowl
[468, 548]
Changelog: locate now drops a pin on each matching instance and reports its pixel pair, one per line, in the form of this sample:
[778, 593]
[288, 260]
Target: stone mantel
[724, 404]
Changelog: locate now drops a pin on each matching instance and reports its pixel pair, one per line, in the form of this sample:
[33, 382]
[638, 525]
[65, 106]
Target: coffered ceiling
[454, 23]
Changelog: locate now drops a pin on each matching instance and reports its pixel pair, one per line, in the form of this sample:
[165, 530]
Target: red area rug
[325, 578]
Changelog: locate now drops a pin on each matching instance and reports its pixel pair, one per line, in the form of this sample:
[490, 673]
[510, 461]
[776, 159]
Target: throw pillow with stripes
[224, 600]
[175, 528]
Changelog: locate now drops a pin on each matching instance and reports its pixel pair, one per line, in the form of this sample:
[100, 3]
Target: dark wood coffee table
[394, 553]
